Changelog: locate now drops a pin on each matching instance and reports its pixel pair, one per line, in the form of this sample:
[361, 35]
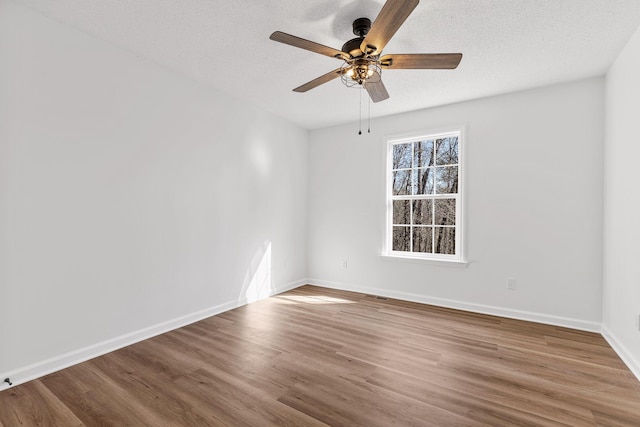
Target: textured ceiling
[507, 45]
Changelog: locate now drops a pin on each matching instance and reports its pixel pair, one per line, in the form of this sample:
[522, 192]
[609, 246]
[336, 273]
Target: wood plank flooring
[316, 357]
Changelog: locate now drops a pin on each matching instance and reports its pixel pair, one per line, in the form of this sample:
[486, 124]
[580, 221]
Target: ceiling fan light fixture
[360, 72]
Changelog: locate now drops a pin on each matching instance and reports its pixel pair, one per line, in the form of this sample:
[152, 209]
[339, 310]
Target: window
[424, 197]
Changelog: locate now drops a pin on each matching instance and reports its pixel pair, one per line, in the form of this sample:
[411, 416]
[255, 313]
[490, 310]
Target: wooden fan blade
[376, 90]
[320, 80]
[294, 41]
[445, 61]
[391, 17]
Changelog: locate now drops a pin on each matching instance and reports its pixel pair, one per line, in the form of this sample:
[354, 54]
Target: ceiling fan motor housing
[361, 27]
[352, 47]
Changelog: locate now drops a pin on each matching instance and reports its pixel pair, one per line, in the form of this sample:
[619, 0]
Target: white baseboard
[48, 366]
[460, 305]
[632, 362]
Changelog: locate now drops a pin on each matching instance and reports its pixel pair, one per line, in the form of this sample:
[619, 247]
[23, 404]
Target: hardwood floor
[314, 357]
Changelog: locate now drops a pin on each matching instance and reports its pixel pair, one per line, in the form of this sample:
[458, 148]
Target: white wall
[534, 189]
[130, 196]
[622, 206]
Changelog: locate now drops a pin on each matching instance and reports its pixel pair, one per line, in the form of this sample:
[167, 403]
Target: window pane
[447, 151]
[423, 239]
[401, 212]
[401, 239]
[402, 156]
[447, 180]
[445, 240]
[402, 183]
[423, 154]
[423, 212]
[423, 181]
[445, 211]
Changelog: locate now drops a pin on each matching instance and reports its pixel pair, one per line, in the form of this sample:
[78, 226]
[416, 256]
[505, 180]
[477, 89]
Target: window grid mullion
[413, 191]
[425, 196]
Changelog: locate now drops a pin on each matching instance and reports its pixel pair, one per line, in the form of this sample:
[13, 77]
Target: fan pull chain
[369, 114]
[360, 111]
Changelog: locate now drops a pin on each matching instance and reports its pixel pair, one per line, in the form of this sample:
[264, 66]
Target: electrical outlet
[343, 263]
[512, 285]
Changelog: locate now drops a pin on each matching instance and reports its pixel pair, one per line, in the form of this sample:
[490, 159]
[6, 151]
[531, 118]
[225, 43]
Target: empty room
[319, 213]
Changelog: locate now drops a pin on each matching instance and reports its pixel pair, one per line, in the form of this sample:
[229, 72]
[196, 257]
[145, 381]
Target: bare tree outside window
[424, 195]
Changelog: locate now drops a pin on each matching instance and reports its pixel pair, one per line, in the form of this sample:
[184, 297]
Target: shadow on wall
[257, 282]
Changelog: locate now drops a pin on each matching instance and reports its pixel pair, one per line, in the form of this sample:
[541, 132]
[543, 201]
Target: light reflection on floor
[320, 299]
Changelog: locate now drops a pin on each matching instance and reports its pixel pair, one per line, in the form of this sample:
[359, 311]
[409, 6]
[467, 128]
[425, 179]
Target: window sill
[417, 260]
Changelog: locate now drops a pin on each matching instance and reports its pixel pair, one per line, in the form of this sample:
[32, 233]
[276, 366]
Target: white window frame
[459, 197]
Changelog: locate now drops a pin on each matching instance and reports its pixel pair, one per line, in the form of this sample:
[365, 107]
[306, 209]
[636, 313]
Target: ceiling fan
[361, 56]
